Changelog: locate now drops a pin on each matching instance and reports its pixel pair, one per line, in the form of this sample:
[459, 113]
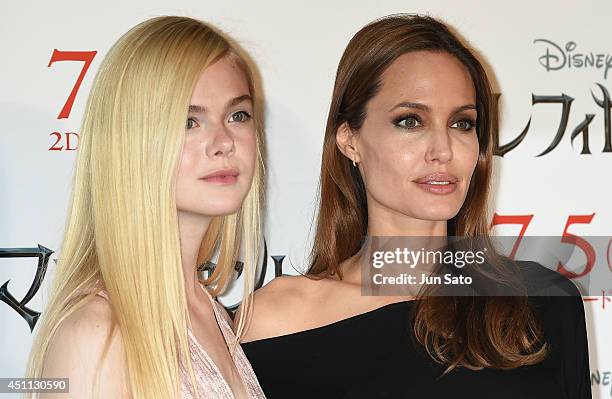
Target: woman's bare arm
[76, 349]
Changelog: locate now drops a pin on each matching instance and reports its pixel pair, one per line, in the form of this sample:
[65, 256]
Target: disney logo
[558, 57]
[602, 378]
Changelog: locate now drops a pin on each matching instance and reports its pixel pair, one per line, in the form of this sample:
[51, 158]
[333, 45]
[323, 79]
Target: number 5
[579, 242]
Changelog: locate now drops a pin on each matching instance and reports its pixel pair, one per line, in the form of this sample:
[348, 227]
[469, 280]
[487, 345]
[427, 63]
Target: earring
[355, 164]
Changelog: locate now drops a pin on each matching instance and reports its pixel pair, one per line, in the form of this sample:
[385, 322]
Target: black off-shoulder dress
[375, 355]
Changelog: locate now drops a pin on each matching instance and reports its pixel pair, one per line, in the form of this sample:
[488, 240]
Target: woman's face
[417, 148]
[218, 157]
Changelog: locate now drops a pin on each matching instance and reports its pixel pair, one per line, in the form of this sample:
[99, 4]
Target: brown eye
[464, 124]
[407, 122]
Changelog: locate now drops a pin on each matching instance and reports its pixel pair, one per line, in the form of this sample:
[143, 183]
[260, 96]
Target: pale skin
[219, 135]
[421, 121]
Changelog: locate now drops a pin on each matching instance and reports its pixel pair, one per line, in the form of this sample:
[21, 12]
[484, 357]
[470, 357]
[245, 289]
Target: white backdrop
[297, 47]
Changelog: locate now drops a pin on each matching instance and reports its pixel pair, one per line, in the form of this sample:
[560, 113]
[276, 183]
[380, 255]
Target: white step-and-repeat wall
[542, 54]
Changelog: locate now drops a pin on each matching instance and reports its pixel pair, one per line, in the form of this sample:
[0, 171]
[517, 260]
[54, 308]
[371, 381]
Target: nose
[222, 143]
[439, 147]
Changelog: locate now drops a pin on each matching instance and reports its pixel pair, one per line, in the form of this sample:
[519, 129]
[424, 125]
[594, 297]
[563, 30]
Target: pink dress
[210, 381]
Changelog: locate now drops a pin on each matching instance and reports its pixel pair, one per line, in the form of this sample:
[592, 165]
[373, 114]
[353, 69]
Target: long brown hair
[468, 331]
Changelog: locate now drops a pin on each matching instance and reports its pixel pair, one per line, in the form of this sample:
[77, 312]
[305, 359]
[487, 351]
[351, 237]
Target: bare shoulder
[275, 305]
[76, 350]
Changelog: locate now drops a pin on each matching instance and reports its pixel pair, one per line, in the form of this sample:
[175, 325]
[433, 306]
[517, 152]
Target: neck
[383, 221]
[192, 228]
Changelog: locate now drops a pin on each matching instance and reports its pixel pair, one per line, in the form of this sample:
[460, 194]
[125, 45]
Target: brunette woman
[408, 152]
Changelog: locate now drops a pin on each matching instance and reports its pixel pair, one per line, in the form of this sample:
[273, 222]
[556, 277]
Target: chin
[438, 214]
[216, 208]
[222, 210]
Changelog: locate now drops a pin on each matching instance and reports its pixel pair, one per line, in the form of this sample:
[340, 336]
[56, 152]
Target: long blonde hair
[121, 227]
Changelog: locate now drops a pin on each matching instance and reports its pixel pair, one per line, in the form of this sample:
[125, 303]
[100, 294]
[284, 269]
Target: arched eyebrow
[464, 108]
[238, 100]
[407, 104]
[425, 108]
[198, 109]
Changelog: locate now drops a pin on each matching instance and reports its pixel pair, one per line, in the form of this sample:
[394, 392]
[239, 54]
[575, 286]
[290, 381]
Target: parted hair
[473, 332]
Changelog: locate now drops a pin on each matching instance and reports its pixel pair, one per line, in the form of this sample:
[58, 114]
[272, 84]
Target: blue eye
[464, 124]
[191, 123]
[407, 122]
[240, 116]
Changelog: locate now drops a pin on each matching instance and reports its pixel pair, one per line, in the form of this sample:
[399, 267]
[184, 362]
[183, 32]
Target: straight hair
[473, 332]
[121, 231]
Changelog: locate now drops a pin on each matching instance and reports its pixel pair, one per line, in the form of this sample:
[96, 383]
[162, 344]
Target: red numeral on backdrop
[567, 238]
[85, 56]
[56, 147]
[513, 219]
[579, 242]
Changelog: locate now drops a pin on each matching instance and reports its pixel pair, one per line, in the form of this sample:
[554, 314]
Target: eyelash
[191, 120]
[417, 118]
[248, 116]
[472, 124]
[194, 120]
[397, 121]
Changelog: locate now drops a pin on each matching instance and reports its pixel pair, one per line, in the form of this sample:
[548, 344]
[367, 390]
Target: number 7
[85, 56]
[523, 220]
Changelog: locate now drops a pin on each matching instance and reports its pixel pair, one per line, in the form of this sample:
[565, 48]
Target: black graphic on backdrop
[43, 254]
[582, 129]
[206, 269]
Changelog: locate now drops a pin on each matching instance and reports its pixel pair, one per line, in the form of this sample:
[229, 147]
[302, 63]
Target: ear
[346, 140]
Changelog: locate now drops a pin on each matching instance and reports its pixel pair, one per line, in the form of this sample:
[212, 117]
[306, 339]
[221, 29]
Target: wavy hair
[474, 332]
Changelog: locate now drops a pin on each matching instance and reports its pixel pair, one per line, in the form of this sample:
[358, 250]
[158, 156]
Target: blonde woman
[169, 171]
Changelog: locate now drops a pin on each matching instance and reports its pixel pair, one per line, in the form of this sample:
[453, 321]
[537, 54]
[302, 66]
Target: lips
[438, 183]
[437, 178]
[223, 176]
